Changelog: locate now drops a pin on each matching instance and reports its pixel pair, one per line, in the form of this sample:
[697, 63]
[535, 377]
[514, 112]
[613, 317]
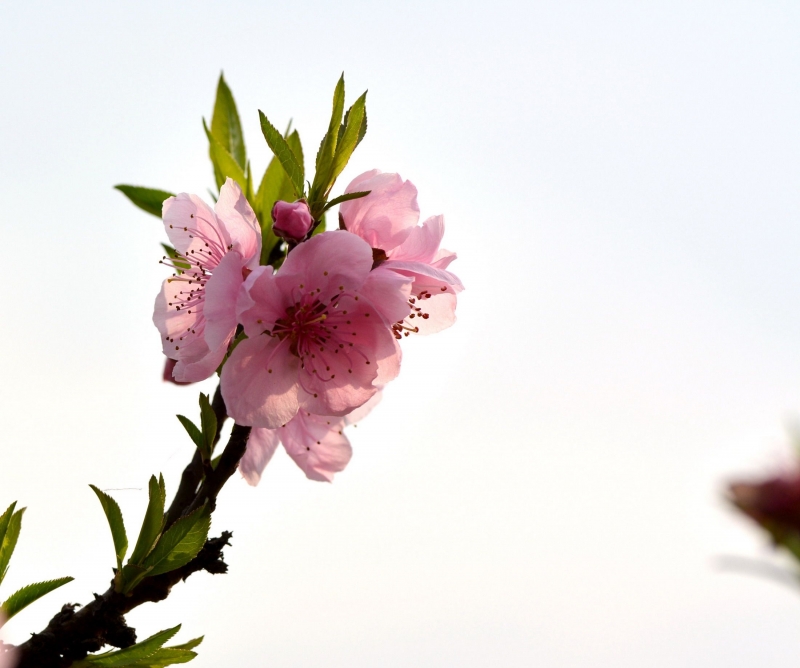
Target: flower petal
[329, 263]
[388, 292]
[422, 242]
[259, 382]
[187, 217]
[385, 217]
[219, 309]
[261, 445]
[236, 214]
[317, 444]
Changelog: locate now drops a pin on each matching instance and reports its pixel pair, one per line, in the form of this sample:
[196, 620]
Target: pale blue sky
[542, 484]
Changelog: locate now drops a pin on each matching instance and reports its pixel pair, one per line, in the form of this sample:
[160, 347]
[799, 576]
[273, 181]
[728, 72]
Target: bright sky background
[542, 485]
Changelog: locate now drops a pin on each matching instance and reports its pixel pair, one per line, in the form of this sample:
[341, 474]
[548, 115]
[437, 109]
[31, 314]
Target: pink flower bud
[292, 220]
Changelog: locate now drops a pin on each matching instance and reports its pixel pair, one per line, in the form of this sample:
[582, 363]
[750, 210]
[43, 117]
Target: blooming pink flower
[317, 341]
[387, 219]
[196, 309]
[292, 220]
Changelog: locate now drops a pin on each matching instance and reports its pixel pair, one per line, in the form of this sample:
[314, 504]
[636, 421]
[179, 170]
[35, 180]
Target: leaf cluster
[159, 549]
[285, 177]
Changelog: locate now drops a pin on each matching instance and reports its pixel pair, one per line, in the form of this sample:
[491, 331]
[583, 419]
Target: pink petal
[219, 309]
[261, 301]
[186, 217]
[389, 356]
[261, 445]
[388, 292]
[422, 243]
[317, 444]
[236, 214]
[329, 263]
[259, 382]
[441, 310]
[426, 276]
[199, 367]
[362, 411]
[385, 217]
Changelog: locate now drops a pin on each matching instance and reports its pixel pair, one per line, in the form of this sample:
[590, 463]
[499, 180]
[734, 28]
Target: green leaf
[190, 644]
[114, 517]
[5, 520]
[225, 124]
[141, 654]
[148, 199]
[27, 595]
[153, 521]
[346, 198]
[10, 536]
[194, 433]
[327, 148]
[275, 185]
[130, 576]
[208, 421]
[180, 543]
[224, 163]
[352, 135]
[284, 153]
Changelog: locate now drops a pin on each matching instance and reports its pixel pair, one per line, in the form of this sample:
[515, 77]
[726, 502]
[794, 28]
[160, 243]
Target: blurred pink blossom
[196, 309]
[292, 220]
[317, 341]
[387, 219]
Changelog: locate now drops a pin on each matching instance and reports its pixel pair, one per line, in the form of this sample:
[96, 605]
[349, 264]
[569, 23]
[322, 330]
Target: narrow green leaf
[194, 433]
[286, 157]
[167, 656]
[27, 595]
[297, 149]
[152, 523]
[327, 148]
[208, 421]
[5, 519]
[224, 162]
[136, 655]
[148, 199]
[114, 517]
[346, 198]
[180, 543]
[9, 541]
[225, 124]
[350, 138]
[190, 644]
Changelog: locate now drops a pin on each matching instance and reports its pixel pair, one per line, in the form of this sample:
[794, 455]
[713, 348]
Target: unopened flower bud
[291, 220]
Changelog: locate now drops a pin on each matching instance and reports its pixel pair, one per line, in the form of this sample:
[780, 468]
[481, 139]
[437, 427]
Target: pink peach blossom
[292, 220]
[196, 309]
[387, 220]
[317, 339]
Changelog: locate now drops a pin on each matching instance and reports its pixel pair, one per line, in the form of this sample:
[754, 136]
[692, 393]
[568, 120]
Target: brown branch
[71, 635]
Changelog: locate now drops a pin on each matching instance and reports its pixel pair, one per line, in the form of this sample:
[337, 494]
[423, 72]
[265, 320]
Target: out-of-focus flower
[774, 503]
[387, 219]
[196, 309]
[291, 220]
[317, 341]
